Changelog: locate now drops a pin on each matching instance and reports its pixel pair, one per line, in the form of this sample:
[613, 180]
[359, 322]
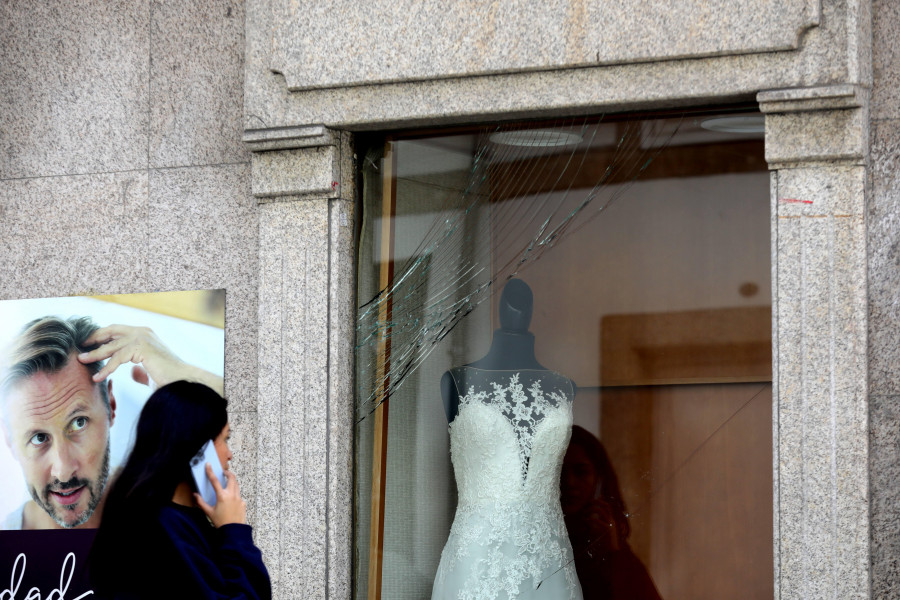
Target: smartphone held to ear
[207, 454]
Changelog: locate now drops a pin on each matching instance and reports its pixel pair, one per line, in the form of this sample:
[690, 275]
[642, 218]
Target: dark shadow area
[598, 526]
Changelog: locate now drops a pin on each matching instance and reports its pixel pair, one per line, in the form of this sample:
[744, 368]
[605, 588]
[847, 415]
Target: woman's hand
[230, 507]
[600, 519]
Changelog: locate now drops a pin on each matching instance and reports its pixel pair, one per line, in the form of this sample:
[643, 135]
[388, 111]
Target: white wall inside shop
[664, 246]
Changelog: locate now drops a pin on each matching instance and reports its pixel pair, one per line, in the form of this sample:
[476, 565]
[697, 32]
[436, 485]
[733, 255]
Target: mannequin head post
[512, 346]
[516, 304]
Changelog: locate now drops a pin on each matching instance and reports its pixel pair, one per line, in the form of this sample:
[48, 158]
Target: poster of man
[74, 375]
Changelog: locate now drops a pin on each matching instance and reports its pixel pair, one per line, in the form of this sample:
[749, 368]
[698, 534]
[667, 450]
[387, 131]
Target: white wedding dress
[507, 442]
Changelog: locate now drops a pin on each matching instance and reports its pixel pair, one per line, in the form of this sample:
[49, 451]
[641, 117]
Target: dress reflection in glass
[508, 538]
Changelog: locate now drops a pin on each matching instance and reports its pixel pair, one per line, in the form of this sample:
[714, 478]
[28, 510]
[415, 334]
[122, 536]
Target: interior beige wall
[694, 467]
[640, 256]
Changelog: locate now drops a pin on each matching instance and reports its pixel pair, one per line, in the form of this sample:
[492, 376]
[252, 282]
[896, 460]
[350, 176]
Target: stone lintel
[427, 40]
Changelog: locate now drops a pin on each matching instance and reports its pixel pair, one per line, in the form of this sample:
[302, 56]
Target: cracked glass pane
[587, 303]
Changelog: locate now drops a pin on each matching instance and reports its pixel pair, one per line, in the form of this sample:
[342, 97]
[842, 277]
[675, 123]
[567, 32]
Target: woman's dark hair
[606, 476]
[174, 424]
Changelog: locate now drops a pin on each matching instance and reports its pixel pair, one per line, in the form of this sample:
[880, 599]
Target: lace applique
[508, 536]
[523, 413]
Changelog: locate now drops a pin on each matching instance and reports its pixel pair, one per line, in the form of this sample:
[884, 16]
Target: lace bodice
[507, 445]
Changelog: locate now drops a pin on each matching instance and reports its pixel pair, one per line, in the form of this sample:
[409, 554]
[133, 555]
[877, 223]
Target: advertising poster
[65, 435]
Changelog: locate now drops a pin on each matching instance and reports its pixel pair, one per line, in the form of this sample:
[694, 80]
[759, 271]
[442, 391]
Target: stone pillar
[817, 147]
[304, 181]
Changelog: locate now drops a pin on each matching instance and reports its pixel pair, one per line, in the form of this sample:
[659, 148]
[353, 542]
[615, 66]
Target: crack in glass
[418, 325]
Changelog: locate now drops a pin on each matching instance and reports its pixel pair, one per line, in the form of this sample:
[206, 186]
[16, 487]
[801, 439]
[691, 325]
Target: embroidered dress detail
[508, 539]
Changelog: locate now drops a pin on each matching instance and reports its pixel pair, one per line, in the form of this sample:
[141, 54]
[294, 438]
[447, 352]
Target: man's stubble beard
[95, 490]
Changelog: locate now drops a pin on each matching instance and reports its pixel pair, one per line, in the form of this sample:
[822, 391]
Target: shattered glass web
[414, 330]
[420, 319]
[452, 250]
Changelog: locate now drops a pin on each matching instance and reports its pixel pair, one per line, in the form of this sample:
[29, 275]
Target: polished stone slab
[404, 41]
[196, 83]
[886, 59]
[75, 87]
[884, 468]
[204, 234]
[74, 235]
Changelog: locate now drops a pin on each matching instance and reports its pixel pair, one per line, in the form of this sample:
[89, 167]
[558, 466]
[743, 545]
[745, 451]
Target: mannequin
[512, 346]
[510, 421]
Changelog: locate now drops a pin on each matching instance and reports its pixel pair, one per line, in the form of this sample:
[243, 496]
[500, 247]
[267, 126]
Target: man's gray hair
[46, 345]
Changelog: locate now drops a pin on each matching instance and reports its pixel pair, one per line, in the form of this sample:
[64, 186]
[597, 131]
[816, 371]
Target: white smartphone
[207, 454]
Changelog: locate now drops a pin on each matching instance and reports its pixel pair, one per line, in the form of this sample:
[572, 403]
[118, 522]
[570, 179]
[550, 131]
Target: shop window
[588, 303]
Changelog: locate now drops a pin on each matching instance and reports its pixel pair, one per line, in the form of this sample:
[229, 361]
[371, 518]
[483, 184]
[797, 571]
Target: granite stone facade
[122, 167]
[183, 145]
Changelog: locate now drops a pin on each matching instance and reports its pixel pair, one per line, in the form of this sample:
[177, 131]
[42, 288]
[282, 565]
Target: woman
[598, 524]
[157, 537]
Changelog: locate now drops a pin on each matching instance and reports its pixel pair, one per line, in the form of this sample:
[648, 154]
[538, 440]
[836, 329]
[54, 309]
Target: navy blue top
[182, 555]
[218, 562]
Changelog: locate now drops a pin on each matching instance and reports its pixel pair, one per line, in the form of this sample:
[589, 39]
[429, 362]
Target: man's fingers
[100, 336]
[105, 334]
[103, 352]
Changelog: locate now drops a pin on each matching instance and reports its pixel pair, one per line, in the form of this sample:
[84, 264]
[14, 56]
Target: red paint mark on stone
[796, 201]
[334, 185]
